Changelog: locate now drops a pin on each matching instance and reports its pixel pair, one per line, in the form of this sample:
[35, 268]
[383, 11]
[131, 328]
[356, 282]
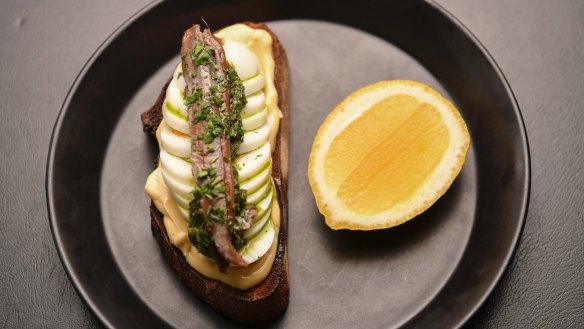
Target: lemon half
[386, 154]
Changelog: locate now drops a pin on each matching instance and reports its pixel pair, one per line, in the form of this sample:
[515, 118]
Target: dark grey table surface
[538, 44]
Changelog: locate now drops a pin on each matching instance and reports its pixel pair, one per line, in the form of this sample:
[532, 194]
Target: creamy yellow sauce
[260, 43]
[177, 229]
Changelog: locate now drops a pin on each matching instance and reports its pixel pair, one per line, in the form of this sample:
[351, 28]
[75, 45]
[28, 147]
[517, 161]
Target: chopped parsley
[202, 54]
[194, 97]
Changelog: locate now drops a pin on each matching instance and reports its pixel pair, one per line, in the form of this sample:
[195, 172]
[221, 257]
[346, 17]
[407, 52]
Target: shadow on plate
[347, 245]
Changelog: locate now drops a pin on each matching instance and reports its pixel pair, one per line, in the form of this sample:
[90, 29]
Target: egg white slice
[249, 164]
[178, 77]
[255, 121]
[252, 231]
[175, 142]
[251, 185]
[255, 103]
[254, 139]
[265, 205]
[177, 168]
[260, 244]
[180, 188]
[256, 196]
[175, 97]
[173, 118]
[183, 211]
[254, 84]
[182, 201]
[242, 58]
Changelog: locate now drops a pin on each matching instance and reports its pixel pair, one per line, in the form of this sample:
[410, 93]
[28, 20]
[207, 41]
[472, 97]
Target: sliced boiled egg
[249, 164]
[251, 185]
[260, 244]
[266, 203]
[181, 201]
[175, 97]
[175, 142]
[183, 211]
[253, 84]
[255, 228]
[173, 118]
[177, 168]
[256, 196]
[255, 121]
[255, 103]
[254, 138]
[180, 80]
[242, 58]
[178, 187]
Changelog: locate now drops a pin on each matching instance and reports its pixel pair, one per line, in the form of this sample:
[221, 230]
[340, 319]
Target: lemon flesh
[386, 154]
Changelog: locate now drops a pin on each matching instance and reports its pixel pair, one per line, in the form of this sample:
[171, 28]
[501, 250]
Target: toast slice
[265, 302]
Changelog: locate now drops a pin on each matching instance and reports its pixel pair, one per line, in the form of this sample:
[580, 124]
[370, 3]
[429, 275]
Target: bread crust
[265, 302]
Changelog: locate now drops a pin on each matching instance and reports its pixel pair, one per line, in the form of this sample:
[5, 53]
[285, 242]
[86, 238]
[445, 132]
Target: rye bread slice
[265, 302]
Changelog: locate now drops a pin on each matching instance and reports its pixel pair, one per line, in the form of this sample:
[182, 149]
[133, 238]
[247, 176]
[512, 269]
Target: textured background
[539, 46]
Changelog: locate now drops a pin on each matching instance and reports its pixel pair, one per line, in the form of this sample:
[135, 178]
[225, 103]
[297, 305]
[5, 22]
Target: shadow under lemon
[346, 245]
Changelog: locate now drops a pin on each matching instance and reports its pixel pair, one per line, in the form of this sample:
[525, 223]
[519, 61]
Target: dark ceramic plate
[434, 271]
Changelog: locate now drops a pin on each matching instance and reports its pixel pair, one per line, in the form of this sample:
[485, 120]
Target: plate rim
[526, 156]
[57, 238]
[526, 187]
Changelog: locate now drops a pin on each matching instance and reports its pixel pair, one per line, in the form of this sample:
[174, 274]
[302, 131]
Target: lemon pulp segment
[410, 141]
